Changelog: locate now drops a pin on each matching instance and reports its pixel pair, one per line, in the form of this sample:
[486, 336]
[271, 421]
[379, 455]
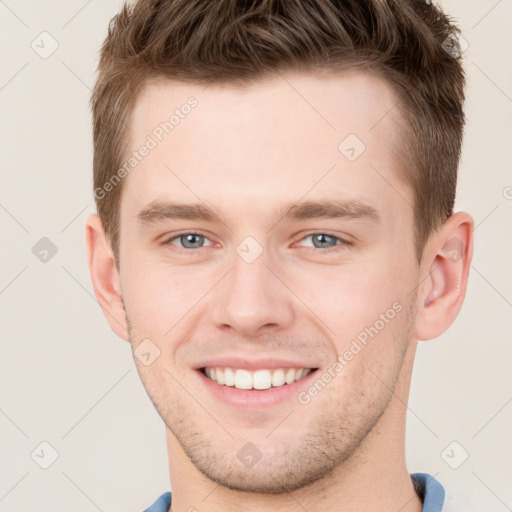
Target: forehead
[275, 139]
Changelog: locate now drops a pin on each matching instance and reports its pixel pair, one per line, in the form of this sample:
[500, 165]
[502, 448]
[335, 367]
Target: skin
[247, 152]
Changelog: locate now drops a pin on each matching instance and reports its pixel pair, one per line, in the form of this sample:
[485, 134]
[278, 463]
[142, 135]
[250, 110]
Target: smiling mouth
[255, 380]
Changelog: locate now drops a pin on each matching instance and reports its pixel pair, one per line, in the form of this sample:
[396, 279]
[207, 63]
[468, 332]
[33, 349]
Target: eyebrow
[158, 210]
[331, 209]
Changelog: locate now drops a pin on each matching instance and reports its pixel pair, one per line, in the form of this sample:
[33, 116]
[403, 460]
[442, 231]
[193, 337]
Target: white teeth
[278, 378]
[229, 377]
[290, 376]
[243, 379]
[262, 379]
[259, 379]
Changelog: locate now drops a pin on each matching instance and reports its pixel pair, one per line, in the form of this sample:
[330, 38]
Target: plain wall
[67, 380]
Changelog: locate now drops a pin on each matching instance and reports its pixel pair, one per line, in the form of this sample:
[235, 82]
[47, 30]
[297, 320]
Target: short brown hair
[236, 41]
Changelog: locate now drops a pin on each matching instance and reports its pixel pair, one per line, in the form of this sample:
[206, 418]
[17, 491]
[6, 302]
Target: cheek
[349, 298]
[371, 354]
[159, 297]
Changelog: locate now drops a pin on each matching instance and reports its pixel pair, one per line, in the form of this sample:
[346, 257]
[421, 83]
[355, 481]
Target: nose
[252, 300]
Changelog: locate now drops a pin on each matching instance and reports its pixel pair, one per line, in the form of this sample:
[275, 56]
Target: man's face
[260, 286]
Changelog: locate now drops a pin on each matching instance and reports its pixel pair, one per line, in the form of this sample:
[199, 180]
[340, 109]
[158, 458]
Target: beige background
[65, 379]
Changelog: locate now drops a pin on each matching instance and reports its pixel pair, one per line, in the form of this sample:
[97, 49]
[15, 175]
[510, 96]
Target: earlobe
[104, 276]
[443, 292]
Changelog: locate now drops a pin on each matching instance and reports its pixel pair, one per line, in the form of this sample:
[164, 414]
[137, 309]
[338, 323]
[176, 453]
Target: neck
[374, 478]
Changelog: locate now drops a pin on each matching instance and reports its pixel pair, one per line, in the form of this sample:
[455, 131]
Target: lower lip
[255, 398]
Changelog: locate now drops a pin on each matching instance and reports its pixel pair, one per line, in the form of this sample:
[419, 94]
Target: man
[275, 185]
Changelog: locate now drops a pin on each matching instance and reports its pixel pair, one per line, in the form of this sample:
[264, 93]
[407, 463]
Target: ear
[447, 260]
[105, 276]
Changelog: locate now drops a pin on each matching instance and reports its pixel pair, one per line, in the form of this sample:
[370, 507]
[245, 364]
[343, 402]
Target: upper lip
[247, 363]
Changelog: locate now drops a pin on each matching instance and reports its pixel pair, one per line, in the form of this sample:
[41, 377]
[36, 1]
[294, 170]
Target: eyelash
[335, 248]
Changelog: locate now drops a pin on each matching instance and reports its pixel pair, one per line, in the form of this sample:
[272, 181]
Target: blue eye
[321, 239]
[188, 240]
[326, 241]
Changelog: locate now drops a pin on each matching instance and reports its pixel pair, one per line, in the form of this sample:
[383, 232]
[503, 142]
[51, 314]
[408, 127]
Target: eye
[326, 241]
[191, 240]
[188, 240]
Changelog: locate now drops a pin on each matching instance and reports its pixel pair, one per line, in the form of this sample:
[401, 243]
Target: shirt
[430, 491]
